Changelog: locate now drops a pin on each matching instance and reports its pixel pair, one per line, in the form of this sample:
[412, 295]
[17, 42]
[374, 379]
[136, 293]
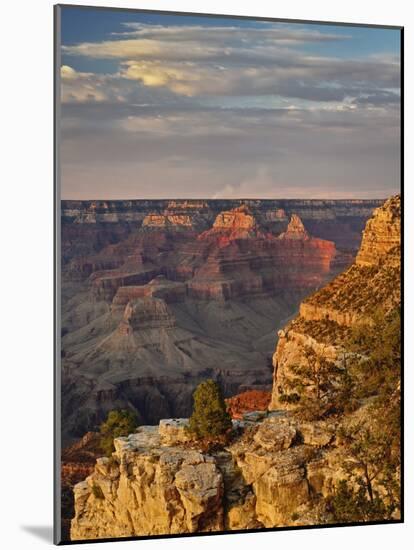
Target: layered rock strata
[277, 470]
[147, 313]
[155, 483]
[370, 287]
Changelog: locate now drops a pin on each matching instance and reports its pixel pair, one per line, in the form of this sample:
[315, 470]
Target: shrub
[119, 423]
[210, 417]
[353, 505]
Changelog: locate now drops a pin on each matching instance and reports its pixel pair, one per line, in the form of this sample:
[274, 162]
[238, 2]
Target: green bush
[353, 505]
[210, 417]
[119, 423]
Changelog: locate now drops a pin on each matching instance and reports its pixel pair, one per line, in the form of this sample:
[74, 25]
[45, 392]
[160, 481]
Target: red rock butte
[295, 230]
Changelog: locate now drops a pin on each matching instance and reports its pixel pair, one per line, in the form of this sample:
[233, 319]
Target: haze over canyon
[159, 295]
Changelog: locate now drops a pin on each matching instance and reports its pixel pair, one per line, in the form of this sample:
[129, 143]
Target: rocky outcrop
[238, 223]
[159, 287]
[174, 430]
[169, 221]
[147, 488]
[238, 218]
[382, 234]
[371, 286]
[156, 482]
[147, 313]
[295, 230]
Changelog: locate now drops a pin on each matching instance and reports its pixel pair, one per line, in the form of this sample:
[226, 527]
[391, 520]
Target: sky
[174, 106]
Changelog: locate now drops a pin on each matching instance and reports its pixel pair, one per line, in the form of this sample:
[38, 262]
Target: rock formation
[158, 295]
[277, 469]
[238, 218]
[170, 221]
[154, 483]
[382, 234]
[295, 230]
[149, 488]
[353, 298]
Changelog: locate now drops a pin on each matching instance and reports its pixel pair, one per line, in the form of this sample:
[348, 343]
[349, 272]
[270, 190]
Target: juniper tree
[316, 385]
[210, 417]
[118, 423]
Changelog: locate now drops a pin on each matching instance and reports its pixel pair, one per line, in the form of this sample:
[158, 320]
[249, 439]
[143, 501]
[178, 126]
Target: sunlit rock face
[382, 233]
[352, 298]
[295, 230]
[156, 482]
[149, 488]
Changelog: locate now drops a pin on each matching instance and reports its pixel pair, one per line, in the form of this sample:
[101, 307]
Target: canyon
[277, 469]
[160, 295]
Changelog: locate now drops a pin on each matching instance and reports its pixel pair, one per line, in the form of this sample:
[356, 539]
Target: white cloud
[199, 61]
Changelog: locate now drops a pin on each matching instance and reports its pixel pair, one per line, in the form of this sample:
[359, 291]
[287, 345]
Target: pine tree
[210, 417]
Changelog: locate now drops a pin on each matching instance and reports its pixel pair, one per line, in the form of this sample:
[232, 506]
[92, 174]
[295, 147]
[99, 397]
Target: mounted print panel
[228, 274]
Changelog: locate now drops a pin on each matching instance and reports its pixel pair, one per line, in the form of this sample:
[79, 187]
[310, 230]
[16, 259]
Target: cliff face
[326, 318]
[153, 485]
[126, 211]
[382, 235]
[147, 488]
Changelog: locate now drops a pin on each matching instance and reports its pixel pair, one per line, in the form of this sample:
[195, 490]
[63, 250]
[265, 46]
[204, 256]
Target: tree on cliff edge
[210, 417]
[119, 423]
[316, 386]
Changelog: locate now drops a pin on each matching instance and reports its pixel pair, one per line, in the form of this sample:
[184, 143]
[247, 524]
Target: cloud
[319, 79]
[81, 87]
[234, 152]
[265, 31]
[378, 98]
[192, 111]
[209, 61]
[198, 42]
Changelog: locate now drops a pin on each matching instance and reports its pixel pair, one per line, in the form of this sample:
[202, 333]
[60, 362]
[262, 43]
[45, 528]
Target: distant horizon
[101, 199]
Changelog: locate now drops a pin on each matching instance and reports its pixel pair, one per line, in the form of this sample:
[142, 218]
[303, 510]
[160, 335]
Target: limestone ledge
[156, 483]
[347, 318]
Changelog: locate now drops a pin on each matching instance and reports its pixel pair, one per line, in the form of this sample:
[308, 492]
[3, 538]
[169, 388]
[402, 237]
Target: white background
[26, 272]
